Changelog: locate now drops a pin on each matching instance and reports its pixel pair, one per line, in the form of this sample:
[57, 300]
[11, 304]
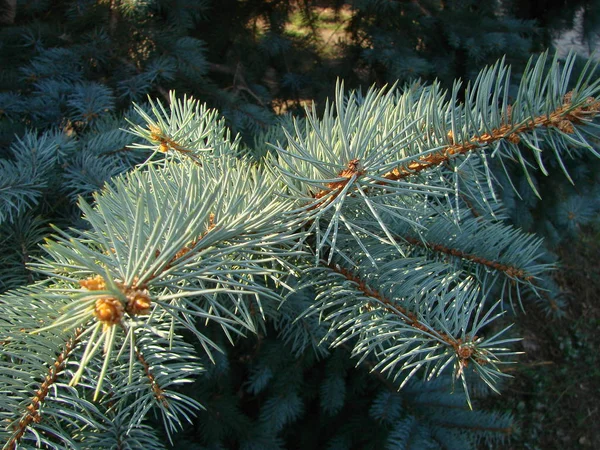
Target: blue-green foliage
[63, 106]
[386, 407]
[333, 393]
[259, 380]
[280, 410]
[43, 176]
[430, 416]
[79, 76]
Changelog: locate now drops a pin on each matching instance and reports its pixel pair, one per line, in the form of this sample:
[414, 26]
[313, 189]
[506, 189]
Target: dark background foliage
[72, 68]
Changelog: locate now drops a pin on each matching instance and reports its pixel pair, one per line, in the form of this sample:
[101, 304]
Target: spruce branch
[188, 128]
[383, 208]
[50, 412]
[564, 118]
[400, 332]
[577, 107]
[33, 409]
[510, 271]
[406, 316]
[163, 253]
[507, 254]
[367, 149]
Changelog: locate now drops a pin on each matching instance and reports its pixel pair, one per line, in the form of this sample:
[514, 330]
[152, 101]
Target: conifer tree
[373, 231]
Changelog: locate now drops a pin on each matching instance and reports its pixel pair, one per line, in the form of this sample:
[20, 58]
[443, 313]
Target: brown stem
[511, 271]
[563, 118]
[32, 414]
[463, 351]
[156, 389]
[239, 81]
[182, 252]
[336, 187]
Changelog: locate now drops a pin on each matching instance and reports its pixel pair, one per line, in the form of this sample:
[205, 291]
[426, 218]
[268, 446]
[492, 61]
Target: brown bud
[513, 138]
[155, 133]
[566, 126]
[465, 352]
[138, 303]
[109, 310]
[96, 283]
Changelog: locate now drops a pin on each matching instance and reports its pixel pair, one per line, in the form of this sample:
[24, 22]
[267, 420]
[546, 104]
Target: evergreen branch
[116, 431]
[166, 362]
[427, 318]
[529, 275]
[18, 191]
[177, 246]
[464, 350]
[22, 181]
[563, 118]
[188, 128]
[508, 270]
[32, 415]
[156, 389]
[427, 121]
[385, 208]
[363, 150]
[509, 254]
[146, 255]
[20, 241]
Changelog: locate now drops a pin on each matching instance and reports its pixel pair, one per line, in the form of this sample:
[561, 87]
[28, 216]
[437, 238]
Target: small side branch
[165, 142]
[464, 350]
[511, 271]
[563, 118]
[159, 394]
[32, 415]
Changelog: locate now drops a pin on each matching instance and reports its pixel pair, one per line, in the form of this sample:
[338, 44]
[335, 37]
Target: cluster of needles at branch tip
[109, 309]
[164, 141]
